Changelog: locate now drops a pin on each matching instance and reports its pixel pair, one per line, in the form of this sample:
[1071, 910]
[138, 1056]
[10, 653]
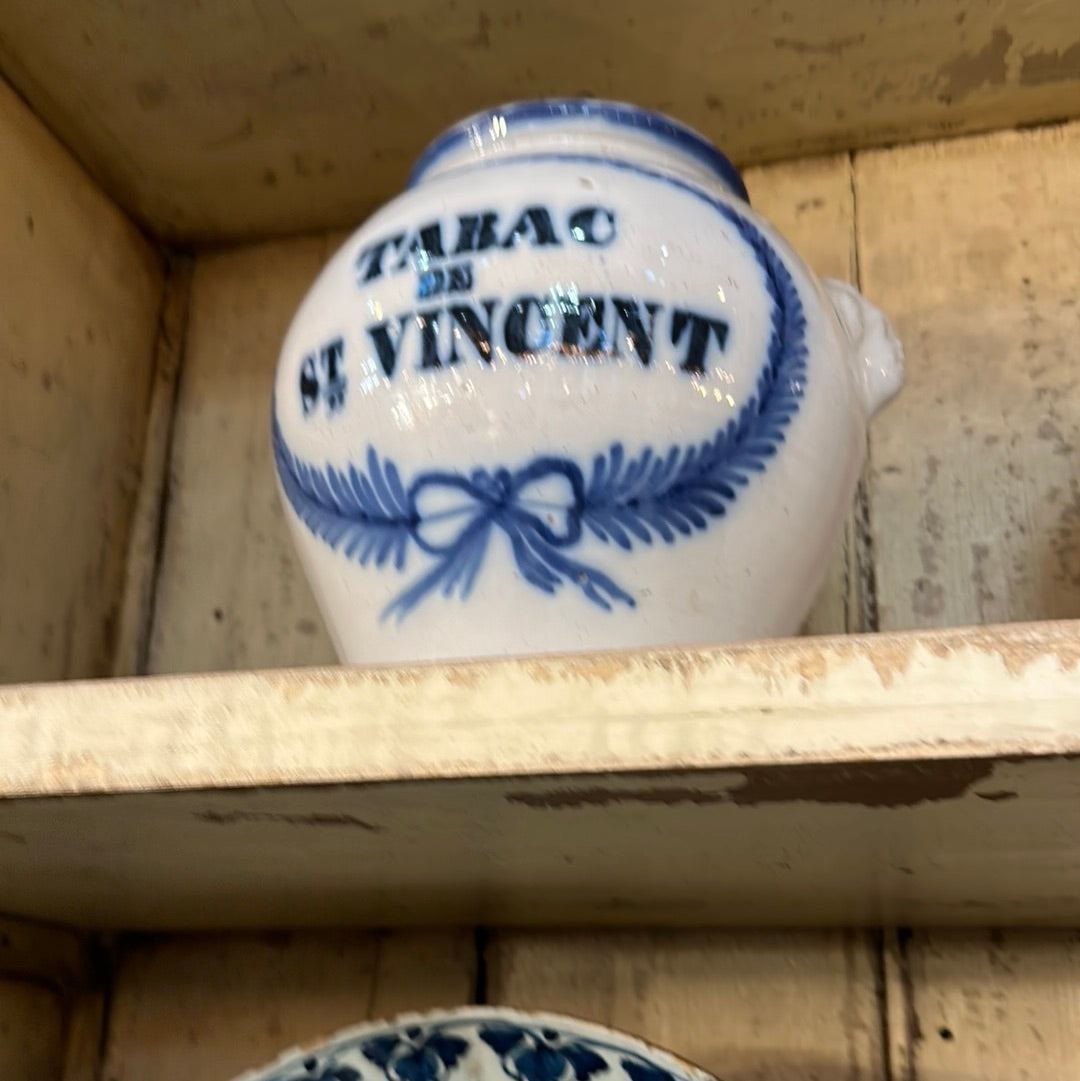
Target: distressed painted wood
[1011, 691]
[993, 1005]
[927, 842]
[31, 1031]
[273, 117]
[975, 500]
[230, 590]
[924, 778]
[207, 1008]
[811, 202]
[747, 1006]
[81, 290]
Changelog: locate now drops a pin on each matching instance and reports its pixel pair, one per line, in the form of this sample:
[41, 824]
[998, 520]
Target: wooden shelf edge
[1005, 692]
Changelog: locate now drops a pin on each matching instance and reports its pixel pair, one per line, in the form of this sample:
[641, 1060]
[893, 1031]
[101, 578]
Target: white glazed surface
[751, 572]
[489, 1044]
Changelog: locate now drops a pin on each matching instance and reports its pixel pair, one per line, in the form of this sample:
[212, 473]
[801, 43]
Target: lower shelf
[928, 779]
[829, 1005]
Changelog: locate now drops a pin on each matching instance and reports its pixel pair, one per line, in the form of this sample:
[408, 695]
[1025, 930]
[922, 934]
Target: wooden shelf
[924, 777]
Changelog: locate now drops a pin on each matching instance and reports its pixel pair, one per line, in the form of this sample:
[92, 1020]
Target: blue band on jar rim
[662, 127]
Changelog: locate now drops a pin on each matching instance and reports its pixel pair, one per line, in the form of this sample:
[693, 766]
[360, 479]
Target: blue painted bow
[538, 507]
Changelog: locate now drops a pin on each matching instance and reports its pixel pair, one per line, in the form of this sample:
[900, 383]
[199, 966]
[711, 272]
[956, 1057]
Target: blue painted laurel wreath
[525, 1054]
[374, 516]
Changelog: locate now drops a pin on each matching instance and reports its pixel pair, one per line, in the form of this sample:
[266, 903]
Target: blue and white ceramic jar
[568, 392]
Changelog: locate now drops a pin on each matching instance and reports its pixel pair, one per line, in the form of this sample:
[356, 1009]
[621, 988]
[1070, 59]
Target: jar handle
[876, 355]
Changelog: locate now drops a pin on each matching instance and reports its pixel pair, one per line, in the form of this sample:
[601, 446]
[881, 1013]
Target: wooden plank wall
[776, 1006]
[81, 292]
[223, 602]
[265, 116]
[975, 497]
[208, 1008]
[771, 1006]
[996, 1006]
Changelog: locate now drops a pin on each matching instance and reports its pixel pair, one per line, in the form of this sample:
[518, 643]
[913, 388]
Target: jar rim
[492, 124]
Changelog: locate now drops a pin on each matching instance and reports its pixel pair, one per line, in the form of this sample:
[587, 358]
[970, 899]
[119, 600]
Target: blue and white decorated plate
[479, 1044]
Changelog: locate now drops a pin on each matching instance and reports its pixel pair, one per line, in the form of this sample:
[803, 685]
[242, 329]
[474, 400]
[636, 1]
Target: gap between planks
[1000, 1005]
[147, 532]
